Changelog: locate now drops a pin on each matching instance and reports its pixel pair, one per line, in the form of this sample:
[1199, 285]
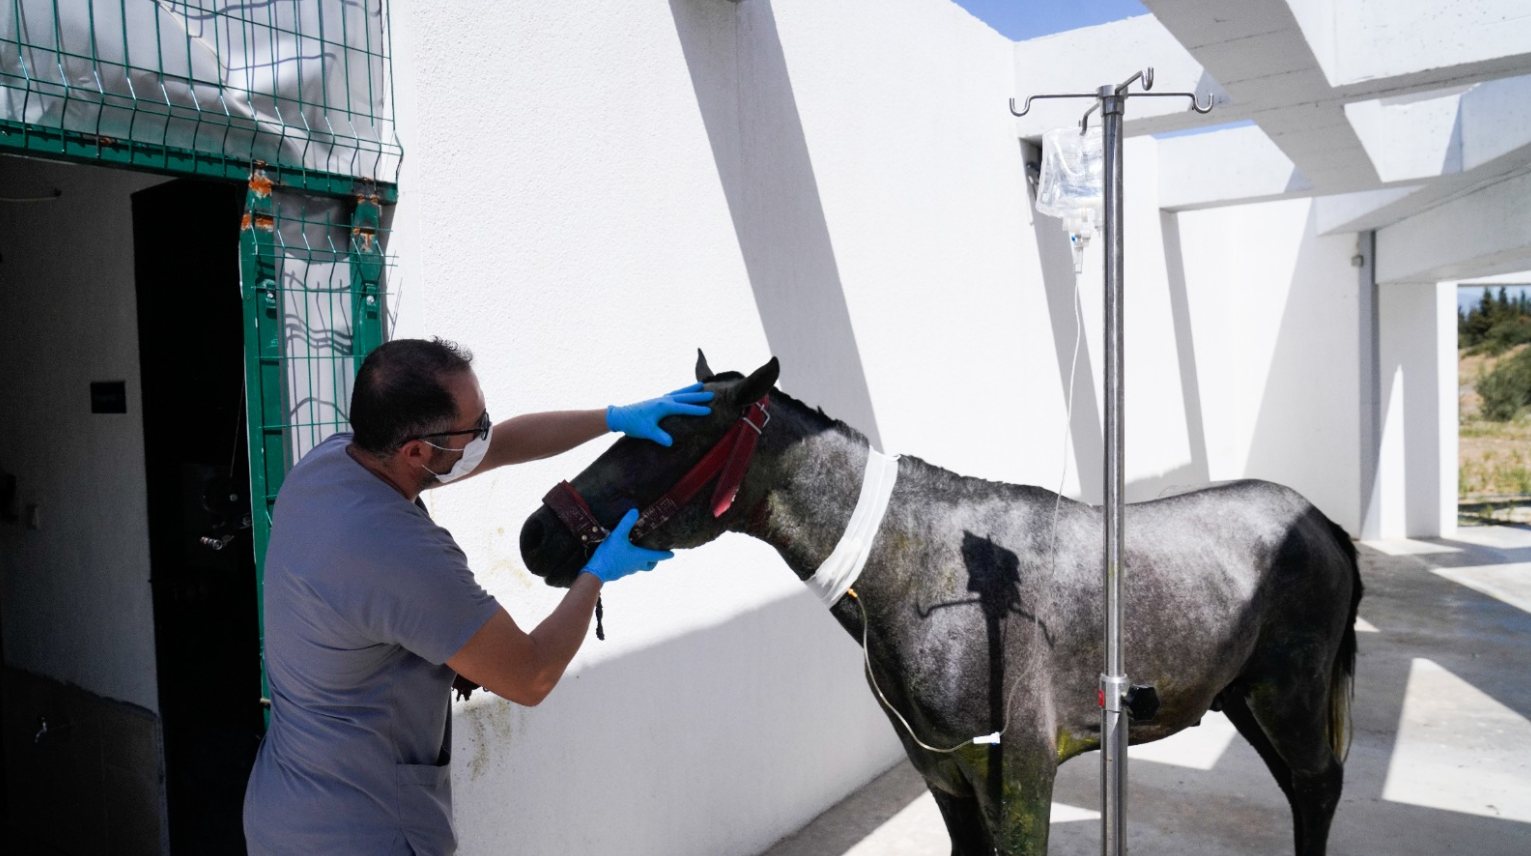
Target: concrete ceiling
[1408, 117]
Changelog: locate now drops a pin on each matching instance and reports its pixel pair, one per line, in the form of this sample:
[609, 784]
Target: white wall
[77, 605]
[593, 190]
[1416, 488]
[1276, 318]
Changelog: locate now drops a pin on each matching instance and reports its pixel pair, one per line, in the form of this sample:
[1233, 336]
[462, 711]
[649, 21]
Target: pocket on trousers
[425, 808]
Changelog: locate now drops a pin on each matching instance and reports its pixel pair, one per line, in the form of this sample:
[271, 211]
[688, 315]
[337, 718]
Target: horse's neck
[815, 480]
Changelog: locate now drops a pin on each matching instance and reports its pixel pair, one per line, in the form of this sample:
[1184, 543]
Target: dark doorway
[202, 561]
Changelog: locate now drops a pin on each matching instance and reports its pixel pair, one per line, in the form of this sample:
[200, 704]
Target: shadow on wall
[1292, 442]
[739, 72]
[1066, 316]
[720, 741]
[1195, 473]
[1198, 471]
[1087, 441]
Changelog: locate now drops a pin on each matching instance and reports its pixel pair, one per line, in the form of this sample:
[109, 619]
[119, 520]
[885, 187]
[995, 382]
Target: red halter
[728, 459]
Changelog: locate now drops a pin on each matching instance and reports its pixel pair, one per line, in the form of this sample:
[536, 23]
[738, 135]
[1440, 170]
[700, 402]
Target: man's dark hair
[401, 393]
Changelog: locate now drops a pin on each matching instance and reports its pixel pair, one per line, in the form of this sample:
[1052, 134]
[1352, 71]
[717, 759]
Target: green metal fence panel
[313, 274]
[212, 88]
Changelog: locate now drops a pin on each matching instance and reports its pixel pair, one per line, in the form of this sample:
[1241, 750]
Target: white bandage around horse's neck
[840, 571]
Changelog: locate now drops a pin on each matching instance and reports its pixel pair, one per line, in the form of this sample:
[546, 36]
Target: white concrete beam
[1412, 136]
[1481, 233]
[1519, 277]
[1445, 131]
[1358, 212]
[1257, 51]
[1227, 167]
[1495, 119]
[1292, 65]
[1495, 145]
[1361, 42]
[1322, 144]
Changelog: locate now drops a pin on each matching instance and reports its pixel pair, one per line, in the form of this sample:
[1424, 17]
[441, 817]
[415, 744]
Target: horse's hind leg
[1238, 714]
[964, 823]
[1293, 720]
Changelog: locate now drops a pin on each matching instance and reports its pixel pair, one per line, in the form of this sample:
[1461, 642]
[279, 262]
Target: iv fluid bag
[1073, 175]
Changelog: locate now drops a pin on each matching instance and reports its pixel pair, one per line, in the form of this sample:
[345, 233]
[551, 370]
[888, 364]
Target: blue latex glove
[616, 557]
[642, 419]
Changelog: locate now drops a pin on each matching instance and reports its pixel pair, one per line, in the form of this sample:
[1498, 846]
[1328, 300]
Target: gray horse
[978, 614]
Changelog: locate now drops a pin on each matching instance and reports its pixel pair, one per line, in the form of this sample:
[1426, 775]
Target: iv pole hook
[1030, 98]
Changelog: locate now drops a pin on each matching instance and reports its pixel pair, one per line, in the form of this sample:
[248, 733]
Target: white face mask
[472, 454]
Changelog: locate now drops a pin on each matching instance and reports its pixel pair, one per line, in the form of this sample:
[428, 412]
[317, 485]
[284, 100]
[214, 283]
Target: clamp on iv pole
[1116, 694]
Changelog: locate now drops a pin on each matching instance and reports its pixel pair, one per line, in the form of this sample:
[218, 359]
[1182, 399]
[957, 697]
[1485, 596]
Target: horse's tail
[1342, 674]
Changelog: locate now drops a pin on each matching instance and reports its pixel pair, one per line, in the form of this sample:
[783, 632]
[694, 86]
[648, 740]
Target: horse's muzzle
[549, 551]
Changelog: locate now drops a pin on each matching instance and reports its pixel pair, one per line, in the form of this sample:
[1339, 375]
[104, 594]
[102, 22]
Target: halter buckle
[758, 429]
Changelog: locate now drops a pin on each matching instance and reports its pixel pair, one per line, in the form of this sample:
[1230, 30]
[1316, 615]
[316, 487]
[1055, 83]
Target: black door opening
[202, 561]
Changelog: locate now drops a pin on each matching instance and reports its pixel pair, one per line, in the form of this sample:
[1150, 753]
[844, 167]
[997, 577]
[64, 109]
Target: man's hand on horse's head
[616, 557]
[642, 419]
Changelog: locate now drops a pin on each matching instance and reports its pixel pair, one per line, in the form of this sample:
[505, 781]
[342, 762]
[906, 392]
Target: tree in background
[1496, 325]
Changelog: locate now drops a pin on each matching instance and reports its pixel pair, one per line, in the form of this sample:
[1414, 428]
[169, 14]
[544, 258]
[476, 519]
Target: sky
[1468, 296]
[1027, 19]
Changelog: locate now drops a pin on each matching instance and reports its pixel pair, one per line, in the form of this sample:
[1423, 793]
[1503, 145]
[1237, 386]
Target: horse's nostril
[531, 536]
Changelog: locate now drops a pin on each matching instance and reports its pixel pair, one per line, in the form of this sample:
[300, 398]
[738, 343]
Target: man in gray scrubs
[371, 611]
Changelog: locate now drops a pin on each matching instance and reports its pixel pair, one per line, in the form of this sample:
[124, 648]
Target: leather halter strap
[728, 460]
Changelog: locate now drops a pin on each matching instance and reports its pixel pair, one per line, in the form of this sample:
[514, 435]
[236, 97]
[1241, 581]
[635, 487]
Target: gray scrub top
[365, 599]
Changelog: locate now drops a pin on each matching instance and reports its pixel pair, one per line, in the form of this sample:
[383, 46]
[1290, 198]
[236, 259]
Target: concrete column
[1414, 493]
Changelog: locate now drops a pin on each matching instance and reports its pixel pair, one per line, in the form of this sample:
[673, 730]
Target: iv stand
[1116, 696]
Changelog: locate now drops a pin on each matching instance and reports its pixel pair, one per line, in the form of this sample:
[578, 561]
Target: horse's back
[1253, 564]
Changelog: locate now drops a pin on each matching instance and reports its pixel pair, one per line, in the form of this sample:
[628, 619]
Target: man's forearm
[533, 436]
[559, 636]
[524, 667]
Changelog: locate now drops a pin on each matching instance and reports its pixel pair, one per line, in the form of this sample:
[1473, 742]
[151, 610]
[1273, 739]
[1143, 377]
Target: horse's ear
[759, 382]
[703, 373]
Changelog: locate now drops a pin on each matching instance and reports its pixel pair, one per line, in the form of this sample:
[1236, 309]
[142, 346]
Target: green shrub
[1507, 388]
[1504, 335]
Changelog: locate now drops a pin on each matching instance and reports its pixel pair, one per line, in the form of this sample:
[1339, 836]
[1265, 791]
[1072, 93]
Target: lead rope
[866, 656]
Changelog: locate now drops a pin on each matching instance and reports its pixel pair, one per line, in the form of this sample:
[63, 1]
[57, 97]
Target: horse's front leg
[949, 784]
[965, 824]
[1013, 783]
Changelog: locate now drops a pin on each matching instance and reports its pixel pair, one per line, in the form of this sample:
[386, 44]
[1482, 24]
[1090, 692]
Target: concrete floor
[1441, 759]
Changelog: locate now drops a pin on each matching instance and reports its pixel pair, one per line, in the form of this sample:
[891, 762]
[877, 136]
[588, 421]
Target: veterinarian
[371, 611]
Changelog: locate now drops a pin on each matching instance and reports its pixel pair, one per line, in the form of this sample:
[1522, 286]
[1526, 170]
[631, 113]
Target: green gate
[294, 98]
[312, 283]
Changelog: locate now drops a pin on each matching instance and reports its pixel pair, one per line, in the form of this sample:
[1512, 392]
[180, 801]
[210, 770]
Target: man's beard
[429, 479]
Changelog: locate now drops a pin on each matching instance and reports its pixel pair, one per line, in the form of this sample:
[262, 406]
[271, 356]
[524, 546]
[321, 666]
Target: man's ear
[413, 451]
[759, 382]
[703, 373]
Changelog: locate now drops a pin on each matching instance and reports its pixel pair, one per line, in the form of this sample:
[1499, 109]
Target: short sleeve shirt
[365, 599]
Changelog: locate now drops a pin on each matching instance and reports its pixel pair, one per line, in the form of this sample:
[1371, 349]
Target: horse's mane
[817, 418]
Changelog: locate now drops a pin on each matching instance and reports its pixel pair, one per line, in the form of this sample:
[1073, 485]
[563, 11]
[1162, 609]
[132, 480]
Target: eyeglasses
[480, 430]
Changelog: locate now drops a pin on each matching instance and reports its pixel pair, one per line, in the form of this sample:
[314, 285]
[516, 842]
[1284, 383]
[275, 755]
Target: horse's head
[637, 473]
